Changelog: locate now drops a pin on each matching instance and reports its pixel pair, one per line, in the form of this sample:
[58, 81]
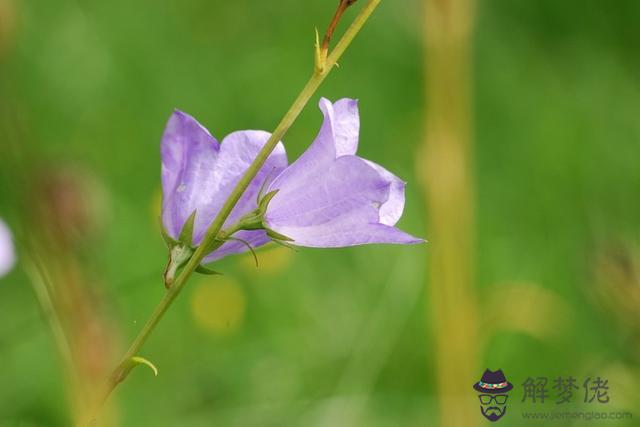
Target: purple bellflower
[7, 252]
[198, 175]
[329, 197]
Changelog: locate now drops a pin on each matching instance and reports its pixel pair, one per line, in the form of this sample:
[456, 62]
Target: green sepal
[178, 256]
[252, 221]
[205, 270]
[170, 241]
[248, 245]
[277, 236]
[286, 245]
[262, 187]
[186, 234]
[264, 201]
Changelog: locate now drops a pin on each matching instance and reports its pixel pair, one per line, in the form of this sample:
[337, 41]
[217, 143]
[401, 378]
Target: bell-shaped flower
[7, 251]
[330, 197]
[199, 174]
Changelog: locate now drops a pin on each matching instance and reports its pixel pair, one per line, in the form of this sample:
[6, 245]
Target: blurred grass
[557, 98]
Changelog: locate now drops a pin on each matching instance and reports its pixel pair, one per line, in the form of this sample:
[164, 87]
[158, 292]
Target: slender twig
[344, 4]
[214, 233]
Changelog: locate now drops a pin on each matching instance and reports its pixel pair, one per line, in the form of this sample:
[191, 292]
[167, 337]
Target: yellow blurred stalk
[445, 164]
[59, 211]
[7, 25]
[83, 341]
[59, 217]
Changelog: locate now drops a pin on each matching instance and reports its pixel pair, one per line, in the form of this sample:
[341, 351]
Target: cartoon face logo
[492, 389]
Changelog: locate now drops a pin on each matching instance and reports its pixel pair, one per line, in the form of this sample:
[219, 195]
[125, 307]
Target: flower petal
[330, 197]
[198, 174]
[346, 124]
[189, 155]
[338, 136]
[237, 152]
[347, 184]
[340, 208]
[344, 234]
[391, 210]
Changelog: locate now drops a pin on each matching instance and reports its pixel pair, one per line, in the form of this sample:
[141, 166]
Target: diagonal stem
[344, 4]
[214, 232]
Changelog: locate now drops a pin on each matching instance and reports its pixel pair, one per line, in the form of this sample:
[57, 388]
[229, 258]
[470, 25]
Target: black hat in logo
[493, 382]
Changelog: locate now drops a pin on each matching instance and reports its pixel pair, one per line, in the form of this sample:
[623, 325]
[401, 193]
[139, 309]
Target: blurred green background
[321, 337]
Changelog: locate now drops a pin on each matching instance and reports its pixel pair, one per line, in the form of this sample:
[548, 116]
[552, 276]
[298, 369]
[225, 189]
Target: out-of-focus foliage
[318, 337]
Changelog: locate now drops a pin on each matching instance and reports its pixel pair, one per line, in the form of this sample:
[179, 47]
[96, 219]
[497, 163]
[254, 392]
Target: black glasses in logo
[486, 399]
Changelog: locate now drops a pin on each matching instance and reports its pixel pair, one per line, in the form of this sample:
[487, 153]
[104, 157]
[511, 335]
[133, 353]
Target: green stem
[320, 73]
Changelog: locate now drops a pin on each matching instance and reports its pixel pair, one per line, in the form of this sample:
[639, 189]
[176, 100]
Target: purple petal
[338, 136]
[7, 253]
[189, 154]
[346, 124]
[340, 208]
[329, 197]
[237, 152]
[344, 235]
[391, 210]
[198, 174]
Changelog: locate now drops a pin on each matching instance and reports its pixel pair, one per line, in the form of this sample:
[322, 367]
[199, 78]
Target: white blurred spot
[7, 253]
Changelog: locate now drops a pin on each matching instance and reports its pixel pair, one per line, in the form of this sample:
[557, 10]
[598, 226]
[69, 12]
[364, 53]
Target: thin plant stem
[214, 233]
[344, 4]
